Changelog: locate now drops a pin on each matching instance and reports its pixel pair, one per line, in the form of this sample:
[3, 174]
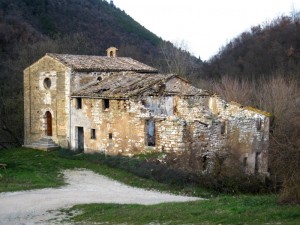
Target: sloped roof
[128, 84]
[102, 63]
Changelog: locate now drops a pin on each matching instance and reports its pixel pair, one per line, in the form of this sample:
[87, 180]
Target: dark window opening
[110, 136]
[78, 103]
[245, 163]
[258, 124]
[47, 83]
[204, 162]
[93, 133]
[150, 132]
[223, 128]
[257, 162]
[106, 103]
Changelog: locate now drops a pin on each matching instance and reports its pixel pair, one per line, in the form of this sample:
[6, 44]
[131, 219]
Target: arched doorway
[48, 117]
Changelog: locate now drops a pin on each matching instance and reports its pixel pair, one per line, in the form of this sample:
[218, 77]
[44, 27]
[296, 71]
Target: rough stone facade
[120, 106]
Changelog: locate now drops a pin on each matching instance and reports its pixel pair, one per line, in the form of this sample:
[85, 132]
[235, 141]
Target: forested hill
[30, 28]
[72, 26]
[262, 51]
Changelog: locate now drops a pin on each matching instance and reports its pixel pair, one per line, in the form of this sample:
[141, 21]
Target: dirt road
[41, 206]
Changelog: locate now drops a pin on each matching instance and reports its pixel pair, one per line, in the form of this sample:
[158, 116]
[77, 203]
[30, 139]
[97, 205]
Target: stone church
[117, 105]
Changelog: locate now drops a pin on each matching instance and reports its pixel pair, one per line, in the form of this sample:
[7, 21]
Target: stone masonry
[117, 105]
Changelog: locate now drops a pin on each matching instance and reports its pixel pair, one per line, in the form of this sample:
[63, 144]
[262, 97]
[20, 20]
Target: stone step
[45, 143]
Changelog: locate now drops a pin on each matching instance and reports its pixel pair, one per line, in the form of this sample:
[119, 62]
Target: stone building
[118, 105]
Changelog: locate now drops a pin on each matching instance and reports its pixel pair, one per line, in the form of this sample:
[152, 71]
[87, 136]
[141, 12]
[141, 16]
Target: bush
[174, 169]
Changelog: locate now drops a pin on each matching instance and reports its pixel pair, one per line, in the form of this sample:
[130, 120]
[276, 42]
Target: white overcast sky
[204, 25]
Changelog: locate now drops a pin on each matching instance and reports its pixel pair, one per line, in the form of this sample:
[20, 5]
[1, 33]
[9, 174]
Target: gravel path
[41, 206]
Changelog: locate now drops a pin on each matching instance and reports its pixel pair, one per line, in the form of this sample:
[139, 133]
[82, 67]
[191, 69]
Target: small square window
[93, 133]
[110, 136]
[78, 103]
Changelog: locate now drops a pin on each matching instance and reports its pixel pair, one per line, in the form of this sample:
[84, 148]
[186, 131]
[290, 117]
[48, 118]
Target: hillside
[29, 21]
[262, 51]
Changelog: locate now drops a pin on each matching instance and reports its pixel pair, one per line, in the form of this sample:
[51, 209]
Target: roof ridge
[101, 63]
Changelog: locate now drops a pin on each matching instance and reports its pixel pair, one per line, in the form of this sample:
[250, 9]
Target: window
[223, 128]
[204, 162]
[93, 133]
[258, 123]
[47, 83]
[78, 103]
[110, 136]
[150, 132]
[257, 162]
[245, 164]
[105, 104]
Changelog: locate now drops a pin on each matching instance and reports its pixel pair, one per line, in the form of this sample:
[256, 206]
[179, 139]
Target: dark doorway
[80, 139]
[150, 132]
[49, 123]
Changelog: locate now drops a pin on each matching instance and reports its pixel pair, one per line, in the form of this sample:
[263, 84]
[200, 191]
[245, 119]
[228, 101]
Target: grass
[221, 210]
[31, 169]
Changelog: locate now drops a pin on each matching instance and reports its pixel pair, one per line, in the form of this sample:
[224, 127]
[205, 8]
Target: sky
[204, 26]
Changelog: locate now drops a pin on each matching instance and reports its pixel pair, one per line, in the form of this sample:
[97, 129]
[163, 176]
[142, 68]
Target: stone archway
[48, 118]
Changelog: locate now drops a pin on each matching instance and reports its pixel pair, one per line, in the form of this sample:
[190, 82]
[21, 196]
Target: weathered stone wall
[119, 130]
[247, 131]
[210, 124]
[181, 124]
[170, 134]
[193, 108]
[40, 98]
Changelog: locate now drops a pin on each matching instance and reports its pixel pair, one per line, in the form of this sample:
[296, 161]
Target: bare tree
[233, 89]
[176, 57]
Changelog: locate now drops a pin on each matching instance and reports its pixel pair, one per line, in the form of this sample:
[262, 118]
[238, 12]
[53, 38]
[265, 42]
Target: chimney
[111, 52]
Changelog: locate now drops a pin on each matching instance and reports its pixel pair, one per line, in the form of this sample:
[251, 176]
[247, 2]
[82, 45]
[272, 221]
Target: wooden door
[49, 123]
